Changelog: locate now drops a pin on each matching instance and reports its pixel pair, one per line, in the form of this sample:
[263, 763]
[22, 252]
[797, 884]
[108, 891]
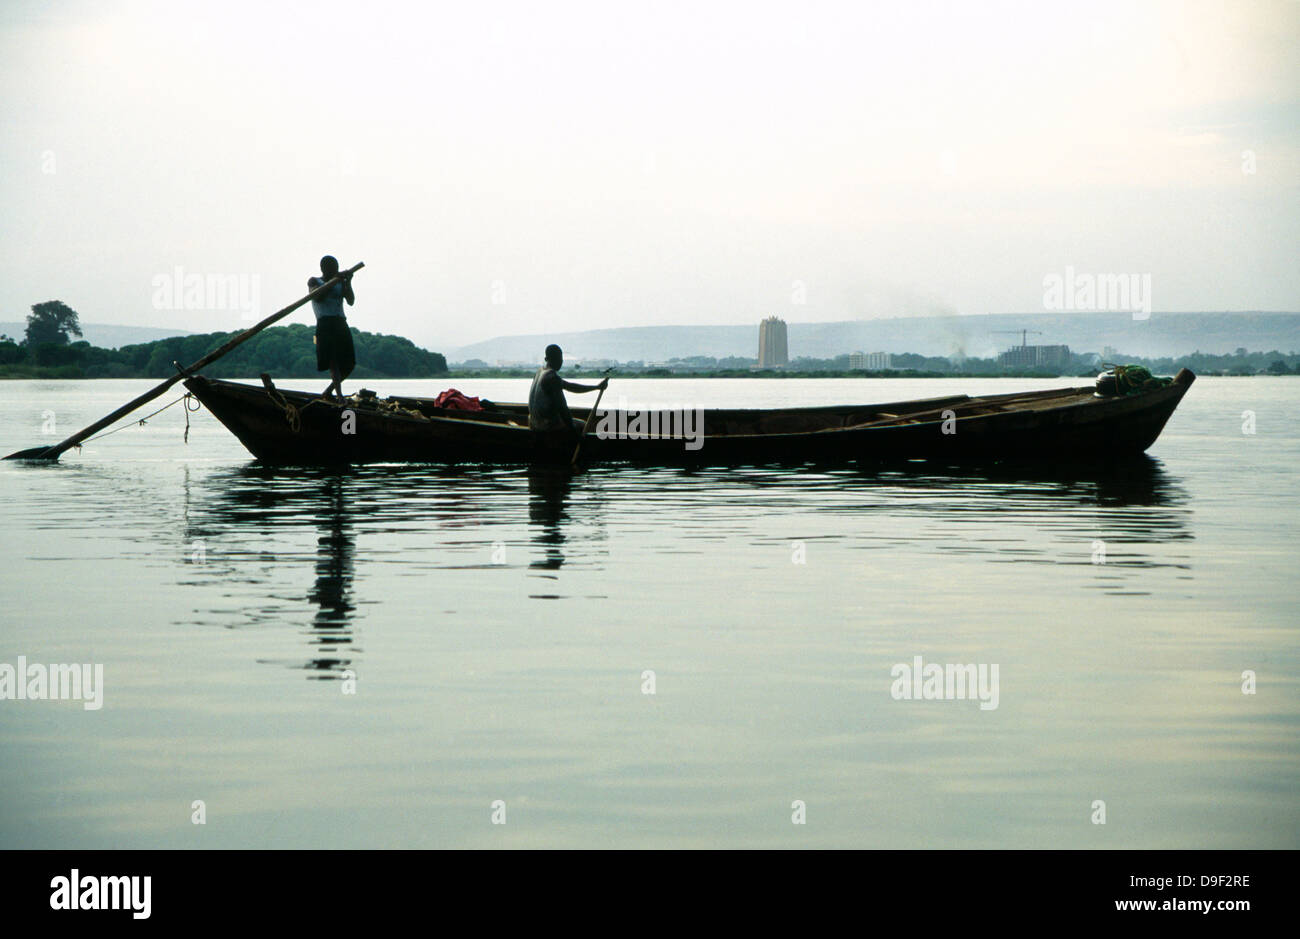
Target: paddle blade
[35, 453]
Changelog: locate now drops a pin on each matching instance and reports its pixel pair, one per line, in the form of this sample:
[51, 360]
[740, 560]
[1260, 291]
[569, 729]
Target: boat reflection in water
[255, 524]
[1138, 480]
[548, 499]
[332, 592]
[287, 539]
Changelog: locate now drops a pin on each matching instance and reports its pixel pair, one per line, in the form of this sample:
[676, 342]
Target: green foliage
[285, 352]
[51, 354]
[282, 351]
[51, 322]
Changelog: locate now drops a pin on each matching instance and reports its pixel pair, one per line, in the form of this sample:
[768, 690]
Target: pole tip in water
[35, 453]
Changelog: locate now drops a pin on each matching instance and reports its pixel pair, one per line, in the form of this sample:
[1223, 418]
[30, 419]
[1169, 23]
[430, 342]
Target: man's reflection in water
[548, 500]
[332, 593]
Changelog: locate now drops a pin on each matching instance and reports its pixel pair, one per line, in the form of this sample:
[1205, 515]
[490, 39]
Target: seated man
[547, 409]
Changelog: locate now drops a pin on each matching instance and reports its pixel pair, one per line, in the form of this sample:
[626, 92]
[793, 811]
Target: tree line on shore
[47, 351]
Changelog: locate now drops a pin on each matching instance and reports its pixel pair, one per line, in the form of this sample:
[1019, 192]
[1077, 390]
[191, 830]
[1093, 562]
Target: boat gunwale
[1086, 395]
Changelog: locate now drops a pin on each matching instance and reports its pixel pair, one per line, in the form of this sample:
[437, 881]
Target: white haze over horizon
[533, 168]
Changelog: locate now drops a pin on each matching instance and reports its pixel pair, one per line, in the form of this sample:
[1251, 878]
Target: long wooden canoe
[280, 426]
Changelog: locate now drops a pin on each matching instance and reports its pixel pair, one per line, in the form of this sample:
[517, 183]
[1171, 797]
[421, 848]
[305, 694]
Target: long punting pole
[53, 453]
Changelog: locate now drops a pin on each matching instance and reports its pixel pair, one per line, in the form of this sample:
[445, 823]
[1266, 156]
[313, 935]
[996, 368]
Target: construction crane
[1024, 334]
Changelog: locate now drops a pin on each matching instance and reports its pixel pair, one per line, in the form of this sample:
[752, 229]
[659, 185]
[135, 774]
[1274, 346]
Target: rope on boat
[197, 404]
[293, 414]
[141, 422]
[388, 407]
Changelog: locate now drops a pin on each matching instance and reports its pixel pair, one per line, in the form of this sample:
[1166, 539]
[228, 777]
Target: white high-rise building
[772, 348]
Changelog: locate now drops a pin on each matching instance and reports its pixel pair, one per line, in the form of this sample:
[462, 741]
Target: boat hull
[296, 428]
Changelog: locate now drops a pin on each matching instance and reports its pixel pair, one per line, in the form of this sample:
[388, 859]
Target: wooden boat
[280, 426]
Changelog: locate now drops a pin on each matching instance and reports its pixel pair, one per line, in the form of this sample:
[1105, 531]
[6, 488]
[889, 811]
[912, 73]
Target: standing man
[547, 409]
[334, 350]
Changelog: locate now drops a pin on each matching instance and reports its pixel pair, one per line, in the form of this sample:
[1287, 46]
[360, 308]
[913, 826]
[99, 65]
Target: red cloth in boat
[454, 400]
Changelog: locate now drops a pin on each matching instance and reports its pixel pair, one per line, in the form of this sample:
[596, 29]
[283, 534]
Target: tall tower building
[772, 349]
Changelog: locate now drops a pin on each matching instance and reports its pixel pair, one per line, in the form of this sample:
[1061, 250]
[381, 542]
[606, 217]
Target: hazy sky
[506, 168]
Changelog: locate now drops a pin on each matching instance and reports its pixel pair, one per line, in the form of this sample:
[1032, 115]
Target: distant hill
[284, 351]
[105, 335]
[1164, 334]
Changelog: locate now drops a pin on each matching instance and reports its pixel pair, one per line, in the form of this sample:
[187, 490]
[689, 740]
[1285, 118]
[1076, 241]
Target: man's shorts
[334, 345]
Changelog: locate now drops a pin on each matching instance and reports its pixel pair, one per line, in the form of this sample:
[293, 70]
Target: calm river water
[407, 656]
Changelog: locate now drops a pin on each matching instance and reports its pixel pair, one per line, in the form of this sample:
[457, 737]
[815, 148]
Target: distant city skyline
[957, 336]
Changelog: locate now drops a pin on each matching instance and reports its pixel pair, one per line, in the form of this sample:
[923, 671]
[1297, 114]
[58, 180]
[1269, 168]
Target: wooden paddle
[591, 416]
[52, 453]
